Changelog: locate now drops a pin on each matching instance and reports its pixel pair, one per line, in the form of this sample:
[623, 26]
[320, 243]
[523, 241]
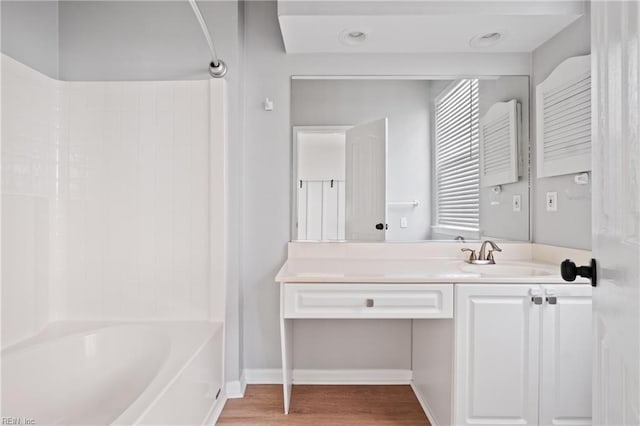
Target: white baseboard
[262, 376]
[352, 377]
[330, 377]
[425, 407]
[236, 388]
[216, 410]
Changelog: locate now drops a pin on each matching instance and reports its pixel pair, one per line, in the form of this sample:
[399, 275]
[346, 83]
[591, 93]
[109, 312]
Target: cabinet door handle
[551, 297]
[369, 303]
[537, 300]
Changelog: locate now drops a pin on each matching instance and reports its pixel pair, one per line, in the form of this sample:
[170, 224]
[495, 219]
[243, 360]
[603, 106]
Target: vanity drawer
[368, 300]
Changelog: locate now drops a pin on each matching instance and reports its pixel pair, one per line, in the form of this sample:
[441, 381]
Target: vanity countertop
[433, 270]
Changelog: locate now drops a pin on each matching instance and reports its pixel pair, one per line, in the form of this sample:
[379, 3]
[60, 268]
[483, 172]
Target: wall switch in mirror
[552, 201]
[517, 203]
[403, 222]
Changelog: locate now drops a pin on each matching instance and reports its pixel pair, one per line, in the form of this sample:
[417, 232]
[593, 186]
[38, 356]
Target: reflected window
[457, 159]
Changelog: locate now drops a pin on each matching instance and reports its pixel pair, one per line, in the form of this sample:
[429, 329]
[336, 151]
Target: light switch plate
[403, 222]
[517, 203]
[552, 201]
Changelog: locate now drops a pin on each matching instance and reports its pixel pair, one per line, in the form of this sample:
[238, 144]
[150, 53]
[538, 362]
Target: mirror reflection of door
[320, 183]
[341, 182]
[366, 195]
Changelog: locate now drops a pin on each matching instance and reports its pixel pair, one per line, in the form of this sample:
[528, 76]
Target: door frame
[296, 130]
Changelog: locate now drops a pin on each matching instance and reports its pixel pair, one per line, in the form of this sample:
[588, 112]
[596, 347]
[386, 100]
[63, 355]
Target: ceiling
[422, 26]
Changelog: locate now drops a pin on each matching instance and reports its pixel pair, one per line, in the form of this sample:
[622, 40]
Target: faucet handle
[472, 254]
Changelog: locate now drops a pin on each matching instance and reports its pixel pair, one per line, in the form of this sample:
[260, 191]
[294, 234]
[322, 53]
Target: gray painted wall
[30, 33]
[266, 175]
[119, 40]
[570, 226]
[406, 105]
[143, 40]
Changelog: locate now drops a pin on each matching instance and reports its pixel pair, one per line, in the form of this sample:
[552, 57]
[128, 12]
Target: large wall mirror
[383, 159]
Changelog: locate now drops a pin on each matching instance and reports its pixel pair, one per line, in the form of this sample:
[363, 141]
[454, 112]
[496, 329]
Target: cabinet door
[497, 338]
[565, 376]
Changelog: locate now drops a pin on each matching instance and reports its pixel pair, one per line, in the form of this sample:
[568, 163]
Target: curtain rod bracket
[218, 71]
[217, 68]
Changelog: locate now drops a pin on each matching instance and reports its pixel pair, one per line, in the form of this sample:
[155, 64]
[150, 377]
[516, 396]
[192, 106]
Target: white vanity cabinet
[522, 354]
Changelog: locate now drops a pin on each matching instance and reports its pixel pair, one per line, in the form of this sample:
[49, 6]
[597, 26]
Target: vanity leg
[286, 338]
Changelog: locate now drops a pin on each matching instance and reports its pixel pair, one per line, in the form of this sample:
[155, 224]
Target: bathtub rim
[187, 340]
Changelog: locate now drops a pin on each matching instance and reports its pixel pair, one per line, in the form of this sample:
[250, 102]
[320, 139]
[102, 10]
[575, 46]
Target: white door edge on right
[615, 53]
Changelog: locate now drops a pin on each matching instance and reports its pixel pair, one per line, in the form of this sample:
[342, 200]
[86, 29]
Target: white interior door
[366, 181]
[616, 211]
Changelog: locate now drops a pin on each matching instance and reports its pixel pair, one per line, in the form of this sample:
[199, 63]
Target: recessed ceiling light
[352, 37]
[486, 40]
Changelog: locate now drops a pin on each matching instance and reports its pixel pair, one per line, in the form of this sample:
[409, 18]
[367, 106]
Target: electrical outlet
[552, 201]
[403, 222]
[517, 203]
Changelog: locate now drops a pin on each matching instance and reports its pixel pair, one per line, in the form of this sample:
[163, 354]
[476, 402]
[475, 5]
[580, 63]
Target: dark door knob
[379, 226]
[570, 271]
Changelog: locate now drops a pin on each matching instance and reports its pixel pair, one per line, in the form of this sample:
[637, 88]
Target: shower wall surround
[137, 201]
[29, 166]
[106, 193]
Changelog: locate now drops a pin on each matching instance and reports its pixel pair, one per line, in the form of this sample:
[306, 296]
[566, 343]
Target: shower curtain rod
[217, 68]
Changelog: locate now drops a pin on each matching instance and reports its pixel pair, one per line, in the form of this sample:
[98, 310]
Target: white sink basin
[509, 270]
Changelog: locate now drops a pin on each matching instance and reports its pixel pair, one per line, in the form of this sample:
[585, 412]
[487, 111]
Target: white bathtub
[106, 373]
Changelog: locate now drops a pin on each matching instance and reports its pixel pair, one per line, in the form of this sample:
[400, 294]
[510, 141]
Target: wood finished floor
[326, 405]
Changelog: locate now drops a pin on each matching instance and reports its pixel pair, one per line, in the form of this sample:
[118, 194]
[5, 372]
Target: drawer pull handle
[369, 303]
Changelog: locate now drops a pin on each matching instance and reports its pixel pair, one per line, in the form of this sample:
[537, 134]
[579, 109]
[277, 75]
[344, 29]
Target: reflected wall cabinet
[563, 119]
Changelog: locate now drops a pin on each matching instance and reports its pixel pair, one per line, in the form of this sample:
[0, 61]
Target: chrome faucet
[484, 257]
[472, 255]
[489, 256]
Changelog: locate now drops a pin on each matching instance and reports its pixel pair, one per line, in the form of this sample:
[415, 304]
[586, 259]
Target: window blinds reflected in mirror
[457, 158]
